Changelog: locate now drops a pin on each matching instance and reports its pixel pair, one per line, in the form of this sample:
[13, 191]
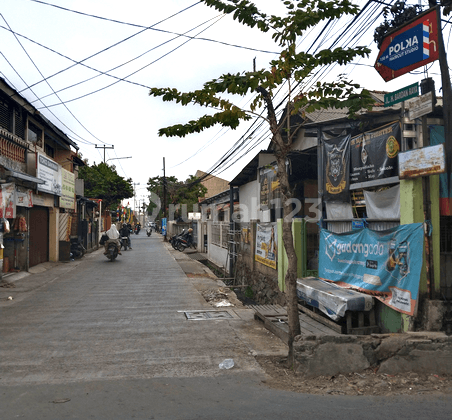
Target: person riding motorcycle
[113, 237]
[125, 232]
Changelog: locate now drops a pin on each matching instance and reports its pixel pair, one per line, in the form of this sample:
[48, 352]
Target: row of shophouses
[43, 208]
[350, 177]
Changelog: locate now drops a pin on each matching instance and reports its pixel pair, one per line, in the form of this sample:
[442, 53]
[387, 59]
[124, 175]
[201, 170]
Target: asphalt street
[111, 340]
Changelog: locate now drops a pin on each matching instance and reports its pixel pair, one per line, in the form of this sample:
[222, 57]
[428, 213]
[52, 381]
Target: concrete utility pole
[104, 147]
[164, 200]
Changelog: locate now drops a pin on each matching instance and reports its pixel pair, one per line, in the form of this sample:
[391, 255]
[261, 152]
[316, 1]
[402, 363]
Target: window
[34, 134]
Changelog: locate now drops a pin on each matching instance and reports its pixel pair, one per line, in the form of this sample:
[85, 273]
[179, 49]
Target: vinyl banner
[386, 264]
[266, 245]
[8, 201]
[337, 169]
[269, 185]
[373, 154]
[50, 172]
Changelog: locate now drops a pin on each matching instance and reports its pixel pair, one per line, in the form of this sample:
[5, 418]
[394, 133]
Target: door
[39, 235]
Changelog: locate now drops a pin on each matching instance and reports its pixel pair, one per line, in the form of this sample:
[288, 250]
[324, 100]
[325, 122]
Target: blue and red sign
[410, 47]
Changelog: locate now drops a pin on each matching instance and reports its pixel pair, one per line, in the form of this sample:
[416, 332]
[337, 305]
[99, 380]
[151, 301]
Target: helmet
[190, 230]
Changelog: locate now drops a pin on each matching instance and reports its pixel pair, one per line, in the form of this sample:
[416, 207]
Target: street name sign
[402, 95]
[420, 106]
[409, 47]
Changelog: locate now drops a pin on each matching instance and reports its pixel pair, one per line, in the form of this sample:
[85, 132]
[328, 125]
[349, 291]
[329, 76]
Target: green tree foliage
[102, 181]
[290, 68]
[177, 192]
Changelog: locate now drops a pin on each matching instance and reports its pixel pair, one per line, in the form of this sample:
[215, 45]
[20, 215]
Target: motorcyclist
[113, 237]
[125, 232]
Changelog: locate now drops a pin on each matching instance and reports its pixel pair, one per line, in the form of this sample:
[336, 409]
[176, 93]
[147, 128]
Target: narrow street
[102, 340]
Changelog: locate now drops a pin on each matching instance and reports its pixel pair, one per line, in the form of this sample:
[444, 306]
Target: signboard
[337, 168]
[373, 154]
[164, 226]
[422, 162]
[402, 95]
[7, 201]
[412, 46]
[386, 264]
[269, 184]
[24, 197]
[266, 245]
[67, 199]
[421, 106]
[49, 171]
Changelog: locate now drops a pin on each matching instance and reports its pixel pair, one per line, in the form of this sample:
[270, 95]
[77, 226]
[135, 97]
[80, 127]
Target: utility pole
[104, 147]
[164, 200]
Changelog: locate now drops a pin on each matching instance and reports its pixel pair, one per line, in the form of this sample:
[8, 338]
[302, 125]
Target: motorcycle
[149, 231]
[174, 239]
[124, 242]
[77, 249]
[137, 229]
[185, 242]
[112, 251]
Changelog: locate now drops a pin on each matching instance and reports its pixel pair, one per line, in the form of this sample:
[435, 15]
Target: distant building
[213, 184]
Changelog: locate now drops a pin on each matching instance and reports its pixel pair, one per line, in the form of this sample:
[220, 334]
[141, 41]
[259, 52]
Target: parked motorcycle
[173, 240]
[185, 242]
[77, 249]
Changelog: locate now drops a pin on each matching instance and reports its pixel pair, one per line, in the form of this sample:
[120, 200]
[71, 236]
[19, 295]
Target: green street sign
[402, 95]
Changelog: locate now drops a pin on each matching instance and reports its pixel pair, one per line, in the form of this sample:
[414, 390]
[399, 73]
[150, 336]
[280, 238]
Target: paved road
[102, 340]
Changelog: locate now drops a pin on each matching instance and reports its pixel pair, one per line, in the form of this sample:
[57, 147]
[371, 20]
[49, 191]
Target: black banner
[373, 154]
[336, 154]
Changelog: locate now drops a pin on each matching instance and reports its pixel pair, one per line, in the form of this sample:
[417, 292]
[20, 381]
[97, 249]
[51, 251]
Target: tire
[180, 247]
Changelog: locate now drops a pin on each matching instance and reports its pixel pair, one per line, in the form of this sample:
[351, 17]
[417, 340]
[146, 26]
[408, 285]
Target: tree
[291, 67]
[102, 181]
[177, 192]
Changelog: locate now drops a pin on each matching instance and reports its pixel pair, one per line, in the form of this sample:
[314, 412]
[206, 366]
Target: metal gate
[39, 235]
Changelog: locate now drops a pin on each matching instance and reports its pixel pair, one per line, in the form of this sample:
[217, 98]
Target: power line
[154, 29]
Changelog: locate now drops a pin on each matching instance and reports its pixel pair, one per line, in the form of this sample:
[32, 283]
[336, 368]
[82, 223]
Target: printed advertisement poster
[67, 199]
[24, 197]
[164, 226]
[337, 169]
[50, 172]
[266, 246]
[373, 154]
[270, 190]
[8, 201]
[386, 264]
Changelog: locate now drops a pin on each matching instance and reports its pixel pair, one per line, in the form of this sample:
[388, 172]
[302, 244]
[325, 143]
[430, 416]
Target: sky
[99, 58]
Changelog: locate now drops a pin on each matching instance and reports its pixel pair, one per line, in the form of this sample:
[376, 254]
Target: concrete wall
[248, 207]
[425, 352]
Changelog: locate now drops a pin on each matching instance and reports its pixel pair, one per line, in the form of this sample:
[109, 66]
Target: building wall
[213, 184]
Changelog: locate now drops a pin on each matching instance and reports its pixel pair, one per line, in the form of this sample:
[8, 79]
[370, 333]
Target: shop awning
[24, 177]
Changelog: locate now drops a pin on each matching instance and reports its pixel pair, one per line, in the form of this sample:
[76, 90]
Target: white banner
[49, 171]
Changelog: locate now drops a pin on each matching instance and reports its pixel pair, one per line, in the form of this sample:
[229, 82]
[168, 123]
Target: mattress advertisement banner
[386, 264]
[266, 246]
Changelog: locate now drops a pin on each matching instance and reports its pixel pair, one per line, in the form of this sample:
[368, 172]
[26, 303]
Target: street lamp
[127, 157]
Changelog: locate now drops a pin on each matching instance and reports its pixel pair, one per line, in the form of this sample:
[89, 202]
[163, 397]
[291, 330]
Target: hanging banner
[67, 199]
[50, 172]
[386, 264]
[266, 245]
[269, 184]
[373, 154]
[337, 169]
[445, 199]
[24, 197]
[7, 201]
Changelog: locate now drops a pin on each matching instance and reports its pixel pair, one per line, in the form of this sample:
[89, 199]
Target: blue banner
[164, 226]
[386, 264]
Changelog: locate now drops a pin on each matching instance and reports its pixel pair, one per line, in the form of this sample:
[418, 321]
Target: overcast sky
[123, 115]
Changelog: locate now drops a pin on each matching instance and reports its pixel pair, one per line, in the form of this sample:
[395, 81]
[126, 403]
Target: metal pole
[164, 200]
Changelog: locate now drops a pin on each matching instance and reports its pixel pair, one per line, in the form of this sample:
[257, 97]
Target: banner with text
[386, 264]
[373, 155]
[266, 246]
